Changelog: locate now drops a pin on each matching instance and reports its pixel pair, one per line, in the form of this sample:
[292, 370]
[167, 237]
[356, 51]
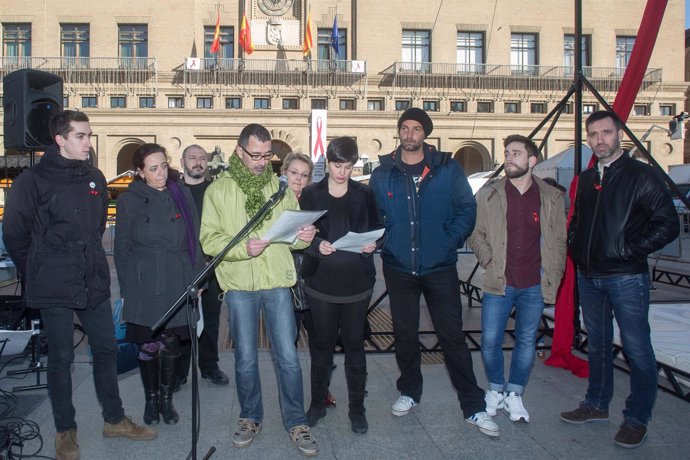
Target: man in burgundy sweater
[520, 241]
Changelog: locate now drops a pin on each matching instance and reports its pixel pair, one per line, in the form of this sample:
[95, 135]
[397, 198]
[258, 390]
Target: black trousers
[208, 342]
[58, 324]
[327, 319]
[303, 318]
[442, 294]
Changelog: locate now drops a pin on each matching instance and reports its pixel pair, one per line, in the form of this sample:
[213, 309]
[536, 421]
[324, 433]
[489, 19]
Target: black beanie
[418, 115]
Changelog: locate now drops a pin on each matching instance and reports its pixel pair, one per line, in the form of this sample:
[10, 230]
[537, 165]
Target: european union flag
[335, 44]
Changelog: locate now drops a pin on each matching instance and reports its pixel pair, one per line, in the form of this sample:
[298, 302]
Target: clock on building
[275, 7]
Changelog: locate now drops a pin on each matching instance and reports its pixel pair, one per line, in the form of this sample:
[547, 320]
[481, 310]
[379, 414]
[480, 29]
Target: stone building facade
[484, 69]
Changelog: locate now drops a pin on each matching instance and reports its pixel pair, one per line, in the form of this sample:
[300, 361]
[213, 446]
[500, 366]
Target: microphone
[282, 187]
[283, 184]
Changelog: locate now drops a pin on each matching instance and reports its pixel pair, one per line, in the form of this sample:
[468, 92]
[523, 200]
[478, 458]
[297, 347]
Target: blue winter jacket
[424, 228]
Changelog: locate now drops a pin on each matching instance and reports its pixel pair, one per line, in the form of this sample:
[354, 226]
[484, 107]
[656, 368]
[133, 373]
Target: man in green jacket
[519, 240]
[256, 275]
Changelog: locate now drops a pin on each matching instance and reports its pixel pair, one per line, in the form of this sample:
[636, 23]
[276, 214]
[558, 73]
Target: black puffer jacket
[619, 221]
[54, 221]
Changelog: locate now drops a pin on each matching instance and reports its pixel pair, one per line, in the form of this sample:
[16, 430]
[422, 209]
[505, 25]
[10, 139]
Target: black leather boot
[320, 377]
[170, 366]
[356, 389]
[150, 371]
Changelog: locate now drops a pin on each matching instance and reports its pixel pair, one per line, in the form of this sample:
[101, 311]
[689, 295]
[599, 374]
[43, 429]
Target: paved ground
[434, 430]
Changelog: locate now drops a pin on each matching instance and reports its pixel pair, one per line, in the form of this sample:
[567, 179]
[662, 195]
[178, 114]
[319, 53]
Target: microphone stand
[192, 292]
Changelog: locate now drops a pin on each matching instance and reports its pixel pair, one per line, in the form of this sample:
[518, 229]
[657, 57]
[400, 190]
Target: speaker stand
[35, 366]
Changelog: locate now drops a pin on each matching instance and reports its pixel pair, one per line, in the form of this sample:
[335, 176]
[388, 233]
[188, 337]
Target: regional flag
[308, 42]
[215, 46]
[335, 43]
[246, 36]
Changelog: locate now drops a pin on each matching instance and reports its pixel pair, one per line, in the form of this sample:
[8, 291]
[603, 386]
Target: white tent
[561, 166]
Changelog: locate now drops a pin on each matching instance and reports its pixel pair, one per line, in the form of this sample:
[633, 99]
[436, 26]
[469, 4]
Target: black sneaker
[630, 435]
[216, 376]
[584, 414]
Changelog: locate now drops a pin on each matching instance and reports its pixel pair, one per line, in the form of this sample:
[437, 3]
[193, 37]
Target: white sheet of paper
[354, 242]
[284, 230]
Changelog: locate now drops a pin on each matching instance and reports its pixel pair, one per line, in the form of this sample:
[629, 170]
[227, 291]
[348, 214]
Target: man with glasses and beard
[194, 164]
[623, 212]
[519, 240]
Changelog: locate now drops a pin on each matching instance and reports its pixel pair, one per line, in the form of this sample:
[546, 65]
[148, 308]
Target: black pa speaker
[30, 98]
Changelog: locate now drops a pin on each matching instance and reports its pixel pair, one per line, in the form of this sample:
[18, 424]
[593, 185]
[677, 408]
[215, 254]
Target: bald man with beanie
[428, 209]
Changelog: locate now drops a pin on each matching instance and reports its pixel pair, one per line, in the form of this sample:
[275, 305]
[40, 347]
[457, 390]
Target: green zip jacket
[224, 216]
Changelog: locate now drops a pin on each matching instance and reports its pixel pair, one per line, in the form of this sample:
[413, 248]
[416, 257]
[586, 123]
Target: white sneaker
[513, 405]
[483, 421]
[494, 401]
[403, 406]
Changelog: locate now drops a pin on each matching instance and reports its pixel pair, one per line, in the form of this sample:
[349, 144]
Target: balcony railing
[294, 76]
[430, 75]
[102, 74]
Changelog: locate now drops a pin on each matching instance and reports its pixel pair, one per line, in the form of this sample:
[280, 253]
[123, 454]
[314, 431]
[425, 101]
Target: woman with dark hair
[339, 284]
[157, 254]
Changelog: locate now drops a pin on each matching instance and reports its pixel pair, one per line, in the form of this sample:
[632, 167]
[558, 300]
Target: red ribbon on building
[319, 140]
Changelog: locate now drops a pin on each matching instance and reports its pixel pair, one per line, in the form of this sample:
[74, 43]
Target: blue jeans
[243, 307]
[627, 298]
[529, 306]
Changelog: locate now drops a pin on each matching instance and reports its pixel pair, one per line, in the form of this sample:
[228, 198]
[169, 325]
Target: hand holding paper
[285, 229]
[354, 242]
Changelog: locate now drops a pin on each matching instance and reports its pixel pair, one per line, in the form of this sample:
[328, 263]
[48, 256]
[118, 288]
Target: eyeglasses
[258, 156]
[298, 174]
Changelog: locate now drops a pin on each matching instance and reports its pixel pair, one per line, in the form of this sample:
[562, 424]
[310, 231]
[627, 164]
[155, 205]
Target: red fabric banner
[639, 58]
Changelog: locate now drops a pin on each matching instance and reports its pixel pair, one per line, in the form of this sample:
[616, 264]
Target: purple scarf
[182, 204]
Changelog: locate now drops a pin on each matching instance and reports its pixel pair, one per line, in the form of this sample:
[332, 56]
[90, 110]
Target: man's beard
[194, 174]
[410, 146]
[607, 153]
[517, 172]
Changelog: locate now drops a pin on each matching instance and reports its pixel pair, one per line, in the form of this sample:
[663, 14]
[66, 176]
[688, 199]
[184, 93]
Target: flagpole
[242, 13]
[335, 21]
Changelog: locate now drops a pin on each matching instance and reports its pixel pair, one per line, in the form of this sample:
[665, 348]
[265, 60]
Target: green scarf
[250, 185]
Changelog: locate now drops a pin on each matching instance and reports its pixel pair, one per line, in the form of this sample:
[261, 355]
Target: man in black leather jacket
[54, 221]
[623, 212]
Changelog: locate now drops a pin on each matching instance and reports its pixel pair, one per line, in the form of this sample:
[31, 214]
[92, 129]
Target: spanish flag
[308, 42]
[215, 46]
[246, 36]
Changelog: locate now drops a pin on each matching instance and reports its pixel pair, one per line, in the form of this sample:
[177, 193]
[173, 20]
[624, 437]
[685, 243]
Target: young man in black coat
[53, 225]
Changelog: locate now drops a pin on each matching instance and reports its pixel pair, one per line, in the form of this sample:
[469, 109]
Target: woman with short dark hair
[339, 284]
